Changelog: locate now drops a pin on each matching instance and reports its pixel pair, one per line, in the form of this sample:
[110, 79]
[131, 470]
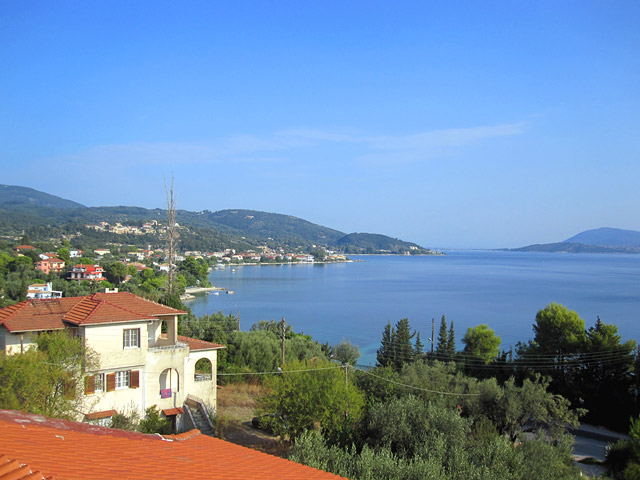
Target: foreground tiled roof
[14, 470]
[50, 314]
[76, 451]
[195, 344]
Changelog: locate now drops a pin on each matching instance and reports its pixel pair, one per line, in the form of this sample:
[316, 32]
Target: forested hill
[613, 237]
[11, 195]
[600, 240]
[27, 210]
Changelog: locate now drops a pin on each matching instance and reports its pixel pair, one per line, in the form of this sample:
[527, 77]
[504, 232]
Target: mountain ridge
[23, 206]
[597, 240]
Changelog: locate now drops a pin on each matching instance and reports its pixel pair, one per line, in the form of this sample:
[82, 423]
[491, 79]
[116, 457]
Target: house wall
[206, 389]
[11, 343]
[107, 341]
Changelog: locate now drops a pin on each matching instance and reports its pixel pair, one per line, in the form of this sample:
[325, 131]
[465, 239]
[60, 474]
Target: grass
[237, 404]
[238, 401]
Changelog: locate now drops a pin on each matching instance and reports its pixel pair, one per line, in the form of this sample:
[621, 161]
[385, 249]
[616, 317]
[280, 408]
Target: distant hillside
[11, 195]
[600, 240]
[614, 237]
[39, 214]
[375, 243]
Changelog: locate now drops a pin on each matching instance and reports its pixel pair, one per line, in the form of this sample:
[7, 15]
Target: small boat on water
[230, 292]
[214, 293]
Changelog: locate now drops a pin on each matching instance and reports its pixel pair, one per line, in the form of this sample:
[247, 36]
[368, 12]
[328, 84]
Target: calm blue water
[354, 301]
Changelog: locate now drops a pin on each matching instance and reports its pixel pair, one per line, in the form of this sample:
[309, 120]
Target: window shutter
[111, 382]
[90, 384]
[134, 379]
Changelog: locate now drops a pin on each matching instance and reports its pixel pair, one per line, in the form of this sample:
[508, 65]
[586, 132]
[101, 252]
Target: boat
[230, 292]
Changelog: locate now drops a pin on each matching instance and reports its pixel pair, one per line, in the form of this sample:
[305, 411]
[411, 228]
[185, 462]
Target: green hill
[41, 215]
[11, 195]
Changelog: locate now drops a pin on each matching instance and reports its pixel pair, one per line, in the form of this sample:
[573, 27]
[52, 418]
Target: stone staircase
[199, 415]
[201, 423]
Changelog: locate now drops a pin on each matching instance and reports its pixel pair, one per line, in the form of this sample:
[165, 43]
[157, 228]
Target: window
[123, 379]
[99, 382]
[131, 338]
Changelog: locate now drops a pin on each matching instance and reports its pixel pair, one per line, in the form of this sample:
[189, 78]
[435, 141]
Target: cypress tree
[443, 338]
[451, 341]
[419, 347]
[384, 352]
[401, 343]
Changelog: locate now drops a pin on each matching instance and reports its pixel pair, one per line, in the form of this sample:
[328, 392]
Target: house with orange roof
[139, 366]
[37, 447]
[83, 271]
[50, 265]
[24, 248]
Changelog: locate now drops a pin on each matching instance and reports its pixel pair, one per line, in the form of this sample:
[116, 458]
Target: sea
[354, 301]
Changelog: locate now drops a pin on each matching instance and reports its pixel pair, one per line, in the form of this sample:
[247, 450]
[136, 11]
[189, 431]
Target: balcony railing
[177, 346]
[203, 377]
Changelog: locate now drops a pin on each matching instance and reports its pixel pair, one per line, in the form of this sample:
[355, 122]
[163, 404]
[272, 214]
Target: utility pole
[238, 321]
[172, 235]
[284, 329]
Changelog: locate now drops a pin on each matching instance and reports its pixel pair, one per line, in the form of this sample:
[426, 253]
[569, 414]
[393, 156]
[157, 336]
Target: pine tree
[419, 347]
[384, 352]
[443, 338]
[451, 341]
[401, 343]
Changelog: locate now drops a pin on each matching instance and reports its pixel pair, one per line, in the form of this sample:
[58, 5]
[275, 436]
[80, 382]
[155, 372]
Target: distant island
[599, 240]
[42, 216]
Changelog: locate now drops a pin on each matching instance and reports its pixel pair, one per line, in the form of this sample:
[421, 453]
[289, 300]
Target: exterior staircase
[198, 415]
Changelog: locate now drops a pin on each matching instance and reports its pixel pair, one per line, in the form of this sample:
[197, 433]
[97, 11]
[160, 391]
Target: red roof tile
[195, 344]
[99, 415]
[173, 411]
[13, 470]
[76, 451]
[50, 314]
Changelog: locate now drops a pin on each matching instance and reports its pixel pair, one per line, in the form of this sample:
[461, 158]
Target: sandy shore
[192, 290]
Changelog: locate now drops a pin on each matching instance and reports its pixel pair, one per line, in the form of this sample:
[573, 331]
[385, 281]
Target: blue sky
[450, 124]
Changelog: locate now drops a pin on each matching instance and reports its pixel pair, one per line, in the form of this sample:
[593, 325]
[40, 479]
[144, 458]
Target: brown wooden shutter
[134, 379]
[90, 384]
[111, 382]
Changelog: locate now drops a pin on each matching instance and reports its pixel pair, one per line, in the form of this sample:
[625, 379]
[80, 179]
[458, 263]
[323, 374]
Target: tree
[443, 338]
[346, 353]
[558, 331]
[64, 254]
[606, 376]
[482, 342]
[312, 395]
[451, 341]
[384, 355]
[396, 348]
[47, 380]
[116, 272]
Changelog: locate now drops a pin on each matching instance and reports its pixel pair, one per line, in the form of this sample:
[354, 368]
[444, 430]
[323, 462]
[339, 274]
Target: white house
[139, 366]
[42, 290]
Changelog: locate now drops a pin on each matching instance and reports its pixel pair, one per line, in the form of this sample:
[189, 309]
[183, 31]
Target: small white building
[42, 290]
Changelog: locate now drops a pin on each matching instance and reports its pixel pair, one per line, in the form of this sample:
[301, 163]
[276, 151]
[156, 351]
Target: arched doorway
[169, 382]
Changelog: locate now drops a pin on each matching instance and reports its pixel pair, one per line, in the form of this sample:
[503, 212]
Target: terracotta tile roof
[13, 470]
[50, 314]
[173, 411]
[99, 415]
[77, 451]
[195, 344]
